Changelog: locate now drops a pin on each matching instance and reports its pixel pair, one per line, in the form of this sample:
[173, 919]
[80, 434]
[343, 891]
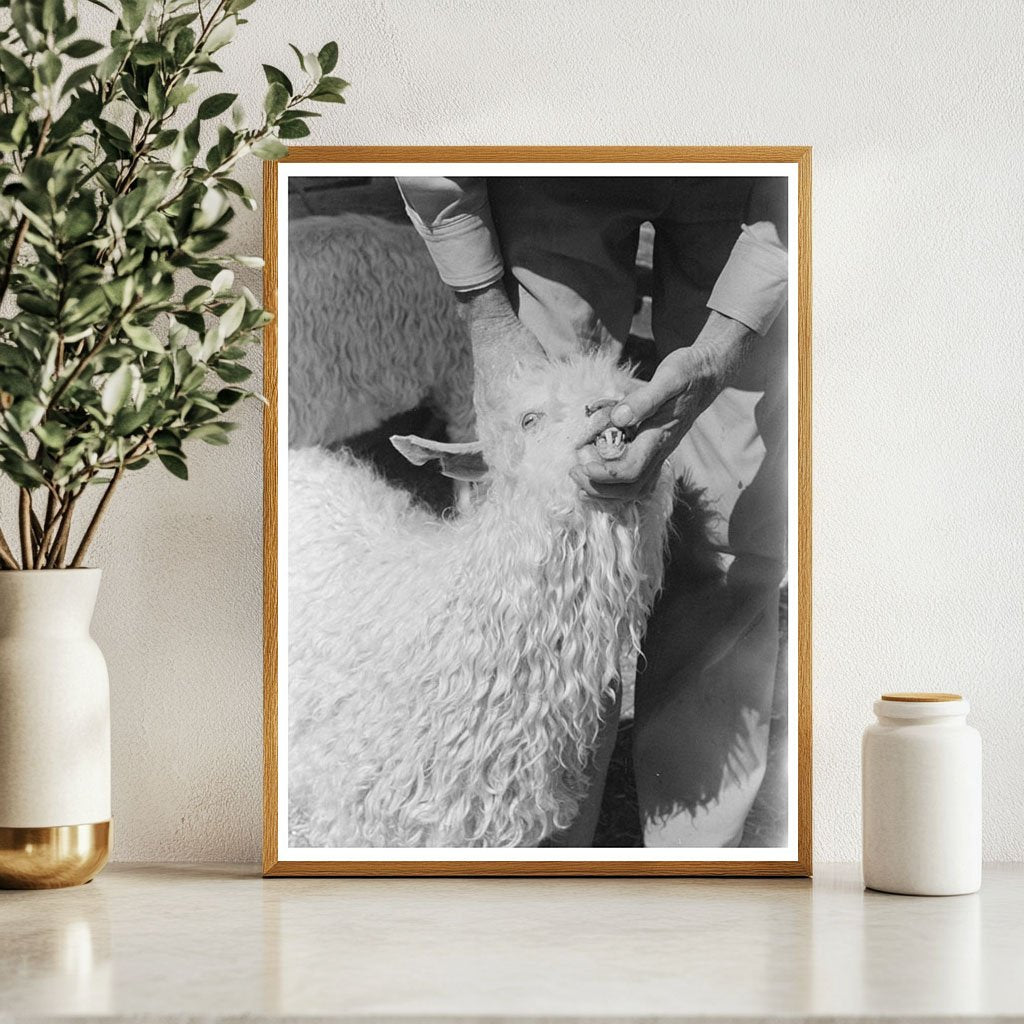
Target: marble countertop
[174, 942]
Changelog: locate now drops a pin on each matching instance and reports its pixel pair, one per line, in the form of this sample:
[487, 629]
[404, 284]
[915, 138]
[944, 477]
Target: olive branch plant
[122, 332]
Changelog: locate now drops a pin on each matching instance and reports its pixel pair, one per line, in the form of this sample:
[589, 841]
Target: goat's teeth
[610, 443]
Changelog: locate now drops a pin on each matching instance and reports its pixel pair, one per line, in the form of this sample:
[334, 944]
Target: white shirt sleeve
[753, 284]
[453, 217]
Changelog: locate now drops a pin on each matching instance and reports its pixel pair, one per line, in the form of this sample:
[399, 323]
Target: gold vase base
[52, 857]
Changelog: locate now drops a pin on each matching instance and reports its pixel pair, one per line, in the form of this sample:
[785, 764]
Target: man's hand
[501, 344]
[686, 382]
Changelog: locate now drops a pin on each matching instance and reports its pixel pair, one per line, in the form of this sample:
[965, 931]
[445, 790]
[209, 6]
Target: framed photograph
[537, 511]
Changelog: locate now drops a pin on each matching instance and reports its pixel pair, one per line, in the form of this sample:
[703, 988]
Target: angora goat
[447, 676]
[372, 331]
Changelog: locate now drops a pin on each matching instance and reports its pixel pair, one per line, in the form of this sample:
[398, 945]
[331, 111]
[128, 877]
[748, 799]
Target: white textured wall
[914, 112]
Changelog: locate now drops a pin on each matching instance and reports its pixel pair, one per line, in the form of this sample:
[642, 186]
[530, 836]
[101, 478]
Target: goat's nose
[601, 403]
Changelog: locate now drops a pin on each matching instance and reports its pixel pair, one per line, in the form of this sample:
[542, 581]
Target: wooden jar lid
[921, 698]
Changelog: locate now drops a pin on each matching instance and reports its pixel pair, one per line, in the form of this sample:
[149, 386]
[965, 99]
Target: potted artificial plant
[122, 337]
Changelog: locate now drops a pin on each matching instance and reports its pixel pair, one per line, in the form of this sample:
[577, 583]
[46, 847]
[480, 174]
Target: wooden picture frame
[796, 161]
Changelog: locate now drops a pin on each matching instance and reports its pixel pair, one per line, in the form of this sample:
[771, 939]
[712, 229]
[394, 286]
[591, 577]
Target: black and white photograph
[537, 586]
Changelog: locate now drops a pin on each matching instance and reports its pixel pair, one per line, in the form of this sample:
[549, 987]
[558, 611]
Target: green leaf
[86, 309]
[232, 319]
[162, 139]
[49, 68]
[311, 65]
[156, 100]
[16, 70]
[293, 130]
[26, 414]
[181, 94]
[109, 65]
[53, 14]
[167, 441]
[174, 464]
[269, 149]
[36, 304]
[276, 99]
[12, 356]
[221, 35]
[78, 222]
[66, 27]
[338, 85]
[325, 96]
[143, 338]
[232, 373]
[21, 471]
[129, 207]
[193, 379]
[133, 12]
[29, 28]
[211, 433]
[222, 281]
[328, 57]
[78, 78]
[82, 48]
[53, 435]
[184, 44]
[227, 397]
[214, 105]
[211, 208]
[116, 390]
[119, 292]
[164, 376]
[185, 147]
[128, 421]
[116, 134]
[11, 443]
[149, 53]
[278, 77]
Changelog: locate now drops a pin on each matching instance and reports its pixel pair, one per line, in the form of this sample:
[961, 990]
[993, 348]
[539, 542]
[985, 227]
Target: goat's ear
[458, 461]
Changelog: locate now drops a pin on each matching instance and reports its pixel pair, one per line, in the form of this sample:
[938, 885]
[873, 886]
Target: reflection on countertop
[179, 941]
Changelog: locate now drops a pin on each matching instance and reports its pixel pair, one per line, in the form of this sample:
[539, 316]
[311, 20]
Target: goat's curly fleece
[447, 676]
[372, 331]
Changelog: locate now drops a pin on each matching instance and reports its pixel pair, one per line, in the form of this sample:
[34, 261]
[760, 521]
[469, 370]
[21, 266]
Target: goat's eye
[530, 420]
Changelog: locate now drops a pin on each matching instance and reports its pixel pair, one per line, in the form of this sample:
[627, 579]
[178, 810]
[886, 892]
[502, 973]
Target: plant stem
[61, 542]
[19, 234]
[12, 255]
[25, 522]
[6, 555]
[51, 508]
[90, 530]
[83, 362]
[37, 532]
[50, 524]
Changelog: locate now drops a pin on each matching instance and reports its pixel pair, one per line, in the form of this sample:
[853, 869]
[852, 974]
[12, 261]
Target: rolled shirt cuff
[464, 249]
[753, 286]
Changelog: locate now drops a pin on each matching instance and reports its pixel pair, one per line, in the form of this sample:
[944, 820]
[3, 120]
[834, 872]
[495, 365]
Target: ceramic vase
[54, 731]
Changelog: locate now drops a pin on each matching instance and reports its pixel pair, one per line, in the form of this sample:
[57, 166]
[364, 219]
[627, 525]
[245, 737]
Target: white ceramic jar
[921, 775]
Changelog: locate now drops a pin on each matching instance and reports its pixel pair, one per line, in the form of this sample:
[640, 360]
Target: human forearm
[500, 341]
[724, 344]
